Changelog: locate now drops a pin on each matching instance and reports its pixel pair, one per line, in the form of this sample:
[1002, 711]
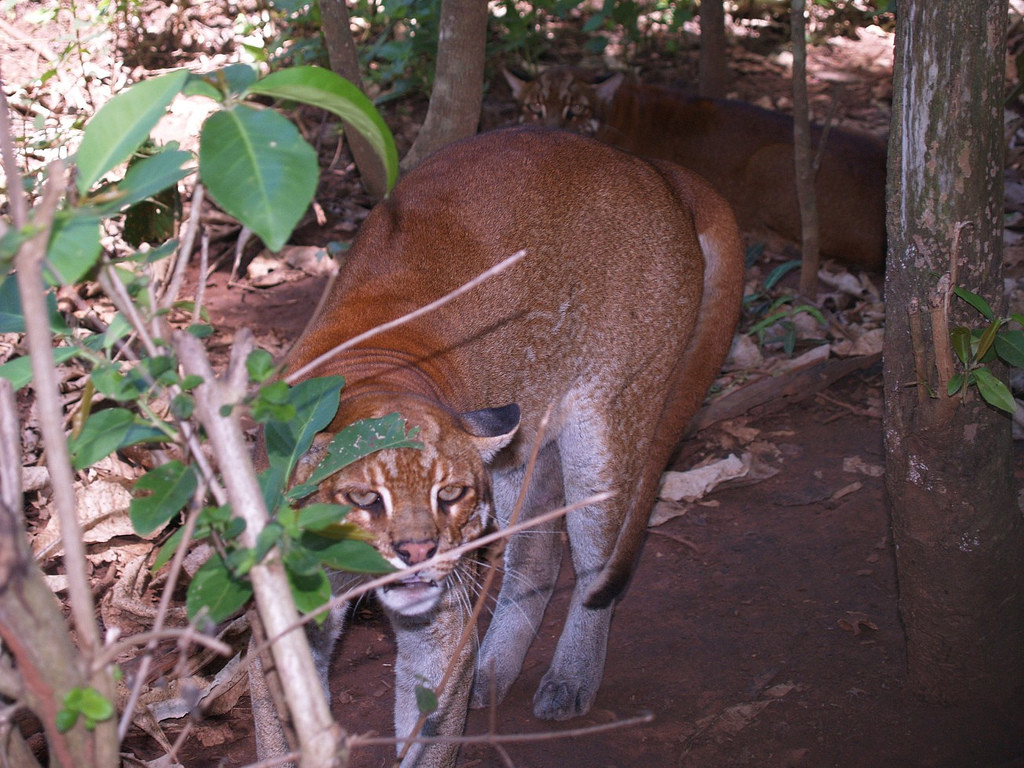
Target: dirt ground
[761, 628]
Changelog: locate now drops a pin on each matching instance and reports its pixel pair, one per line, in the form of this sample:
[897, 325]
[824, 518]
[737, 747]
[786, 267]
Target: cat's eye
[449, 494]
[369, 500]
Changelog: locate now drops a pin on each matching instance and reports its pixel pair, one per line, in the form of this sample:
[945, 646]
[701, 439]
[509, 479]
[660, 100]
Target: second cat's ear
[605, 89]
[492, 428]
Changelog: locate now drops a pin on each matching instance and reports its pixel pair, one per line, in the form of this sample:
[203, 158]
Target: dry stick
[153, 638]
[481, 599]
[297, 375]
[29, 263]
[173, 288]
[317, 732]
[510, 738]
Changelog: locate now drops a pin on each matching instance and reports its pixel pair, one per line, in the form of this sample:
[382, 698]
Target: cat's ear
[605, 89]
[515, 81]
[492, 428]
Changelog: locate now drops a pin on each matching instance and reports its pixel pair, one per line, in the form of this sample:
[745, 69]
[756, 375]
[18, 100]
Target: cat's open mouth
[415, 581]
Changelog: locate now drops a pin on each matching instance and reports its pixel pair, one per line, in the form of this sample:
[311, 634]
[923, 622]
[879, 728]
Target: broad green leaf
[170, 487]
[260, 365]
[166, 551]
[316, 517]
[995, 392]
[267, 539]
[66, 719]
[259, 169]
[1010, 347]
[122, 124]
[145, 179]
[315, 402]
[218, 590]
[345, 554]
[309, 590]
[363, 438]
[74, 246]
[328, 90]
[954, 384]
[19, 370]
[988, 337]
[960, 337]
[975, 301]
[12, 319]
[108, 431]
[426, 699]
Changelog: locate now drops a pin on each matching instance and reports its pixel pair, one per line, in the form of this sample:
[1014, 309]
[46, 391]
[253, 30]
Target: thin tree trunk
[344, 58]
[455, 102]
[803, 158]
[714, 70]
[957, 527]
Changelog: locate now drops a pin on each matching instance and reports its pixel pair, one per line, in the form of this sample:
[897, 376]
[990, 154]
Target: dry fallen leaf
[855, 622]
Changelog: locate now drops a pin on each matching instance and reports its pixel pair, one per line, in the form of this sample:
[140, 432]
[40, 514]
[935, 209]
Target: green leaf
[954, 384]
[66, 719]
[123, 124]
[19, 370]
[310, 590]
[1010, 348]
[259, 169]
[345, 554]
[960, 337]
[995, 392]
[95, 706]
[166, 551]
[363, 438]
[108, 431]
[260, 365]
[426, 699]
[315, 402]
[217, 589]
[146, 178]
[267, 539]
[170, 487]
[988, 337]
[327, 90]
[316, 517]
[780, 272]
[975, 301]
[12, 318]
[74, 246]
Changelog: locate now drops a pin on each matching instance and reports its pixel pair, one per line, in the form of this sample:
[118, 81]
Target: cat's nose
[414, 552]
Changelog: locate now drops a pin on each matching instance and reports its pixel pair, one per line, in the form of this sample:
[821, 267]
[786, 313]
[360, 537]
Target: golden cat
[744, 151]
[617, 319]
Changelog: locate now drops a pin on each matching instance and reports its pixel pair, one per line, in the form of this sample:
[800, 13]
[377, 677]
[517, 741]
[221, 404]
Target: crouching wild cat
[745, 152]
[617, 319]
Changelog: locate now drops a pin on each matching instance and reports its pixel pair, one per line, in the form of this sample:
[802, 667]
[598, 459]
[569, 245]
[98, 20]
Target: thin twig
[508, 738]
[184, 254]
[297, 375]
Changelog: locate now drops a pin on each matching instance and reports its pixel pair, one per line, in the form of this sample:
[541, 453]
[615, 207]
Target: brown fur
[744, 151]
[617, 318]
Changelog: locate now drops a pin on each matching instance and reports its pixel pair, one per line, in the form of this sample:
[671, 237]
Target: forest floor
[762, 626]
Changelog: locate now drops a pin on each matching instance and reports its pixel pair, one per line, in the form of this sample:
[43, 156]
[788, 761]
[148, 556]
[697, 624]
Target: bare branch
[318, 734]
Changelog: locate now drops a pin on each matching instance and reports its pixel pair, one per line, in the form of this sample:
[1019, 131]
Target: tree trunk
[803, 158]
[344, 58]
[957, 528]
[714, 71]
[455, 102]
